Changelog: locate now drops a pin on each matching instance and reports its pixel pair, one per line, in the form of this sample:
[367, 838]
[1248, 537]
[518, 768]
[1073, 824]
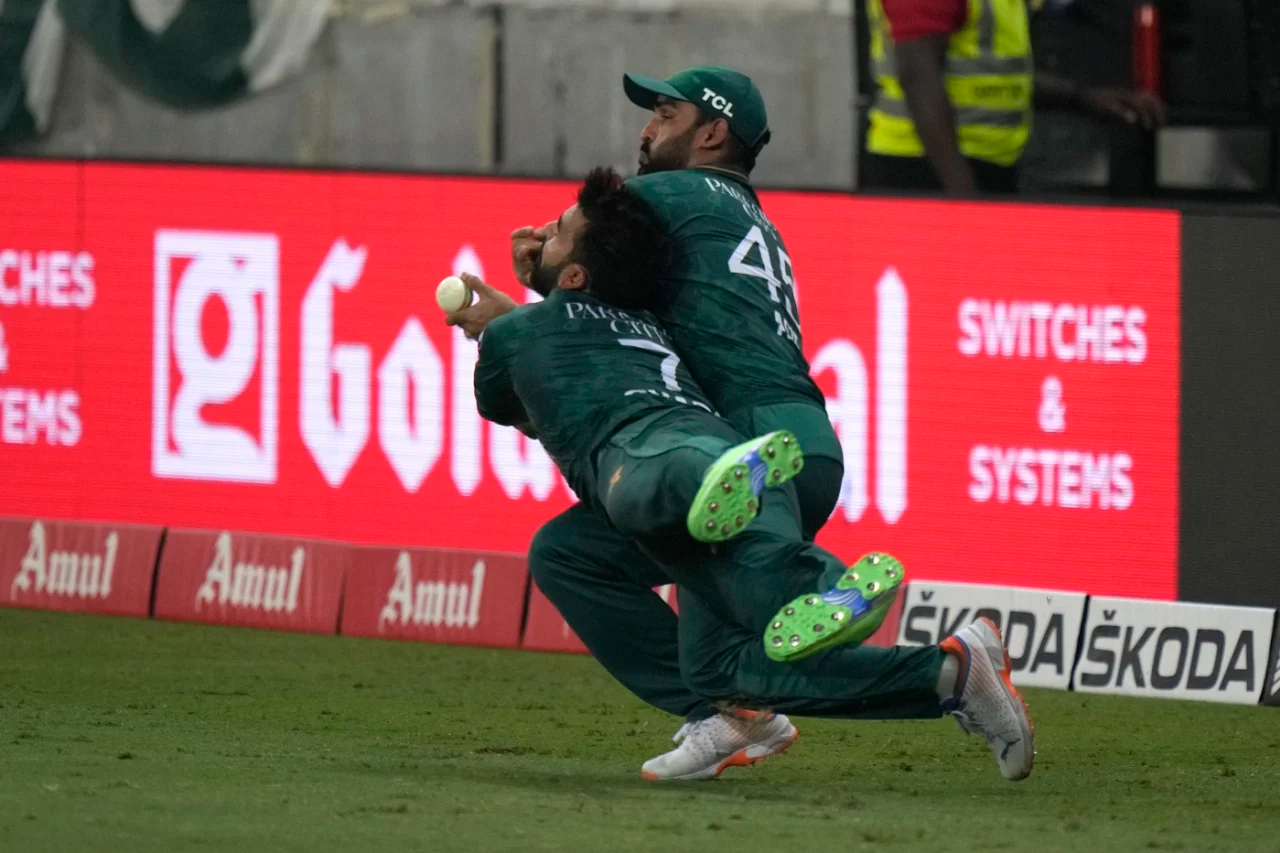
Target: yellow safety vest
[988, 76]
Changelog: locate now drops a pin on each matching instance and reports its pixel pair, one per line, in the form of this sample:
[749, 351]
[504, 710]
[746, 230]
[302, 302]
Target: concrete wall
[407, 91]
[525, 88]
[534, 87]
[563, 108]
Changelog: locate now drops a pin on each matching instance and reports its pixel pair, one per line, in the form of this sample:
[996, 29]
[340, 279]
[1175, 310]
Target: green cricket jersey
[730, 301]
[730, 304]
[577, 370]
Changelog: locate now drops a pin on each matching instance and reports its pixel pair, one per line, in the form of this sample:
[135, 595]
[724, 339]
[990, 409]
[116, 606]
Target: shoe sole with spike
[850, 613]
[730, 495]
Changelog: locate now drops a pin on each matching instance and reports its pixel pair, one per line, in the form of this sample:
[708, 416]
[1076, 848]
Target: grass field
[123, 735]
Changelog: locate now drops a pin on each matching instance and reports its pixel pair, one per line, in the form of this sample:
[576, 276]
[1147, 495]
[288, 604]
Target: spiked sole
[850, 613]
[729, 498]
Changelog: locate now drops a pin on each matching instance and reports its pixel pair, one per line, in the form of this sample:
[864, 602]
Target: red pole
[1147, 71]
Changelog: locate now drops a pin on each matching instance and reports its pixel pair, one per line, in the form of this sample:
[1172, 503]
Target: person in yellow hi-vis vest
[955, 89]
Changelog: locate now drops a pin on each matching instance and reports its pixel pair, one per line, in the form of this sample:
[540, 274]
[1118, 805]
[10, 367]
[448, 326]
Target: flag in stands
[183, 53]
[32, 38]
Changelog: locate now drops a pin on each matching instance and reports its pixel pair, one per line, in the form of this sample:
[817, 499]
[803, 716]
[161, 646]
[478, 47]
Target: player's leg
[724, 597]
[846, 610]
[726, 661]
[603, 587]
[818, 484]
[818, 487]
[967, 677]
[841, 608]
[727, 597]
[687, 472]
[691, 467]
[731, 487]
[728, 592]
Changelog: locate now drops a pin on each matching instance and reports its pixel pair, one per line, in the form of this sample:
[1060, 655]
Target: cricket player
[727, 300]
[595, 378]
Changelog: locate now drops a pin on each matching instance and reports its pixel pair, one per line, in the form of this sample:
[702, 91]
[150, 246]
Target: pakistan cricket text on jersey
[577, 370]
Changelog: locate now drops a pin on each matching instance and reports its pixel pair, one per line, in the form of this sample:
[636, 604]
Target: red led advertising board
[72, 566]
[260, 350]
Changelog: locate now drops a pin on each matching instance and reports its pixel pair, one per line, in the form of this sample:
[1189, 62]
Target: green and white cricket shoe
[729, 498]
[709, 747]
[849, 613]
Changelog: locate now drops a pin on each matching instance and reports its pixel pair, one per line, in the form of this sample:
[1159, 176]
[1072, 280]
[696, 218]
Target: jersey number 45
[781, 291]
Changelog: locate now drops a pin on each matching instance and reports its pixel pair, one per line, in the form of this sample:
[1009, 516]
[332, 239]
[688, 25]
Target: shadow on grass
[557, 777]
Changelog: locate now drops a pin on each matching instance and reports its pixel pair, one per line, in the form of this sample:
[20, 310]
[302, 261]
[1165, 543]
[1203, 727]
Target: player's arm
[1101, 103]
[921, 33]
[496, 397]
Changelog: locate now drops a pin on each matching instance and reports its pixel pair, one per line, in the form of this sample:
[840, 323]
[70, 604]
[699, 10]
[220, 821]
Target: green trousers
[598, 567]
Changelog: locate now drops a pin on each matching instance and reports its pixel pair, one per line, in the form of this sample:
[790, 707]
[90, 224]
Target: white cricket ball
[453, 294]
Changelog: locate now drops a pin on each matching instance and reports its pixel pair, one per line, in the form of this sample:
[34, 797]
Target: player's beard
[671, 156]
[544, 279]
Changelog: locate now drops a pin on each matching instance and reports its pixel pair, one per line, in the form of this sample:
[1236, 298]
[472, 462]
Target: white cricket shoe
[986, 702]
[708, 746]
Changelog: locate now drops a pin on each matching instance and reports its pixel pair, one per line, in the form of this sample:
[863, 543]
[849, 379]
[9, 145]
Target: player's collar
[728, 171]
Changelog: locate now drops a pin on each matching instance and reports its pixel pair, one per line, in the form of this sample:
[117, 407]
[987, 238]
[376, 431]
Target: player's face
[666, 143]
[557, 250]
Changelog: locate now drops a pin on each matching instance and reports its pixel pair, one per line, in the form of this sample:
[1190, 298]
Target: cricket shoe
[729, 498]
[986, 702]
[848, 613]
[709, 746]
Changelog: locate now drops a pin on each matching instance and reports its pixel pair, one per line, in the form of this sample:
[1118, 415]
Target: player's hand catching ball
[526, 245]
[487, 304]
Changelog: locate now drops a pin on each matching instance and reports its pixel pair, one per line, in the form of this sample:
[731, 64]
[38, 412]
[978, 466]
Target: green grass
[129, 735]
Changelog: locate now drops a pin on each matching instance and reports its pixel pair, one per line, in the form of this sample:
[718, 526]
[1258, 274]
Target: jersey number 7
[670, 363]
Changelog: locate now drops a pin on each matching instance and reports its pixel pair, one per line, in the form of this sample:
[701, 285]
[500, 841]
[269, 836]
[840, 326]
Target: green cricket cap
[717, 91]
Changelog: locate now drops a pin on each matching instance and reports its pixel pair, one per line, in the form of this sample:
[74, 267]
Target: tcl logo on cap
[718, 101]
